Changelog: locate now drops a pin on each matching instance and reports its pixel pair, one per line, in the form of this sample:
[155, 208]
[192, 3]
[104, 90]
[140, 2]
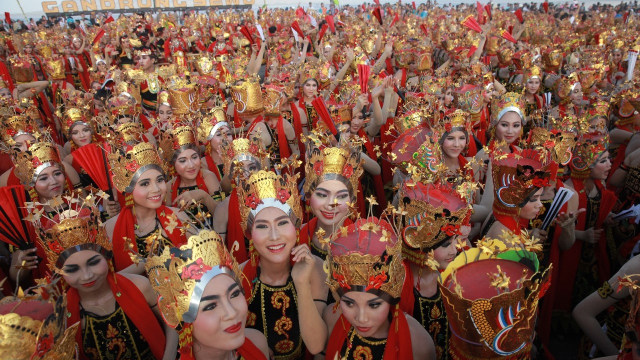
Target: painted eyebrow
[325, 190]
[277, 219]
[216, 297]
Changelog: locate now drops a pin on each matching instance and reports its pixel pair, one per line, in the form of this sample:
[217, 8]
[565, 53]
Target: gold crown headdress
[491, 296]
[183, 96]
[56, 69]
[34, 327]
[586, 153]
[74, 116]
[244, 149]
[366, 256]
[434, 213]
[551, 59]
[40, 155]
[209, 125]
[457, 120]
[74, 229]
[532, 72]
[163, 99]
[264, 189]
[557, 142]
[333, 163]
[17, 125]
[129, 133]
[508, 102]
[180, 275]
[173, 141]
[128, 166]
[247, 97]
[469, 98]
[273, 98]
[516, 177]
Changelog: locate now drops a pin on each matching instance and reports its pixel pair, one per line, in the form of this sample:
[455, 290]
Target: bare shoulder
[110, 225]
[421, 341]
[258, 339]
[330, 315]
[143, 284]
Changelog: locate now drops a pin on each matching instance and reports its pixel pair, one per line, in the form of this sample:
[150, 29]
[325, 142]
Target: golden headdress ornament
[128, 166]
[532, 72]
[505, 103]
[173, 141]
[333, 163]
[73, 116]
[56, 69]
[17, 125]
[34, 327]
[183, 96]
[588, 150]
[556, 141]
[366, 256]
[209, 124]
[180, 275]
[433, 213]
[516, 177]
[247, 97]
[244, 149]
[40, 155]
[264, 189]
[491, 295]
[274, 97]
[457, 120]
[75, 228]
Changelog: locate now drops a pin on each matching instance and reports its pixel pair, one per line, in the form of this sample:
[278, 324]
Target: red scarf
[199, 182]
[234, 229]
[213, 167]
[307, 231]
[13, 180]
[283, 144]
[249, 351]
[134, 305]
[254, 123]
[569, 259]
[398, 342]
[407, 297]
[515, 224]
[125, 228]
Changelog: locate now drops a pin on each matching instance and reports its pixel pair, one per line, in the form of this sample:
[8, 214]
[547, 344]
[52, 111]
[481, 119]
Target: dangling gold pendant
[153, 84]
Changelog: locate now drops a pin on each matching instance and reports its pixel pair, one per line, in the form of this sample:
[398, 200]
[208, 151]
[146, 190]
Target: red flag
[245, 31]
[413, 3]
[323, 114]
[545, 5]
[300, 12]
[423, 27]
[510, 29]
[108, 20]
[364, 7]
[480, 11]
[518, 14]
[99, 36]
[471, 23]
[363, 74]
[7, 17]
[296, 27]
[487, 8]
[507, 36]
[322, 31]
[377, 2]
[395, 19]
[624, 17]
[378, 15]
[330, 22]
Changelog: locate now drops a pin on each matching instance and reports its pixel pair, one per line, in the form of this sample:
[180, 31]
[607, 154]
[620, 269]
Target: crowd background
[364, 181]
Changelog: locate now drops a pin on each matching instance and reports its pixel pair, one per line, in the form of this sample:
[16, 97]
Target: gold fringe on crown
[74, 116]
[209, 124]
[586, 153]
[40, 155]
[173, 141]
[366, 256]
[242, 149]
[128, 167]
[432, 213]
[333, 163]
[180, 275]
[264, 189]
[17, 125]
[508, 102]
[75, 227]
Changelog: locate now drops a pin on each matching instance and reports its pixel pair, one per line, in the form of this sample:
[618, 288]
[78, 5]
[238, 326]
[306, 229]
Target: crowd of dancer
[396, 181]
